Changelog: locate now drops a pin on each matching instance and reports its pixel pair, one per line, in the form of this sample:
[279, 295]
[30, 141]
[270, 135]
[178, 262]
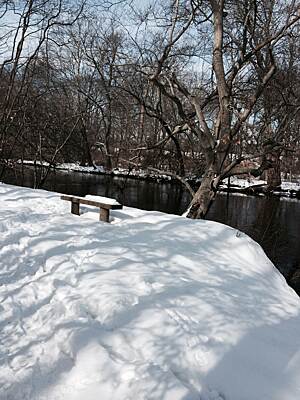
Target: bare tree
[27, 27]
[238, 42]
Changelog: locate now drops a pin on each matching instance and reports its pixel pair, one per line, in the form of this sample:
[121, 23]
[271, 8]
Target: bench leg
[104, 215]
[75, 208]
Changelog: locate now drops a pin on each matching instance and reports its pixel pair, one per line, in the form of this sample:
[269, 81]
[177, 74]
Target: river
[273, 222]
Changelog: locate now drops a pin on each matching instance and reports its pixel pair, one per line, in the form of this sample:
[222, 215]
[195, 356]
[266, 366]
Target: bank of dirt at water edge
[150, 306]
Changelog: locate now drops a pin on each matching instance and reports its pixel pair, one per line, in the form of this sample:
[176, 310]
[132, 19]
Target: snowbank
[152, 306]
[75, 167]
[247, 183]
[138, 173]
[244, 183]
[290, 186]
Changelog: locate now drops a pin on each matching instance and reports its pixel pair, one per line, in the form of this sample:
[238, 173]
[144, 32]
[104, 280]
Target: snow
[244, 183]
[102, 199]
[151, 306]
[99, 169]
[290, 186]
[80, 168]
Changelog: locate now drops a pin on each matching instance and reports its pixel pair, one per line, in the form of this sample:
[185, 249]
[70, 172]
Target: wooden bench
[104, 207]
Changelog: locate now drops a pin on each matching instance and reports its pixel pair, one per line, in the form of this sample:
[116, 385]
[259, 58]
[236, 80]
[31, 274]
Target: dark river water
[272, 222]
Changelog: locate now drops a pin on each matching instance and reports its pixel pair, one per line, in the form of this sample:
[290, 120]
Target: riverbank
[149, 306]
[250, 186]
[259, 187]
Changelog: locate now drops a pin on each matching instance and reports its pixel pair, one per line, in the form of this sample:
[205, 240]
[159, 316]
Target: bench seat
[104, 207]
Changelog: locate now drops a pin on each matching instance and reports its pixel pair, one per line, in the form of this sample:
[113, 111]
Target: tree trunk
[108, 155]
[86, 158]
[204, 196]
[179, 156]
[274, 174]
[108, 158]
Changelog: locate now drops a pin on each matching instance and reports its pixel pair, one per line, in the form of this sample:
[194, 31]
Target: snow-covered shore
[136, 173]
[151, 306]
[287, 189]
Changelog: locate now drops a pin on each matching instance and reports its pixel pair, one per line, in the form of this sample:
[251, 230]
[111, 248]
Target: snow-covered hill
[151, 306]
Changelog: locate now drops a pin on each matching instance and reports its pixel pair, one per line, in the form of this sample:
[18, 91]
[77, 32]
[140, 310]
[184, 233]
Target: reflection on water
[272, 222]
